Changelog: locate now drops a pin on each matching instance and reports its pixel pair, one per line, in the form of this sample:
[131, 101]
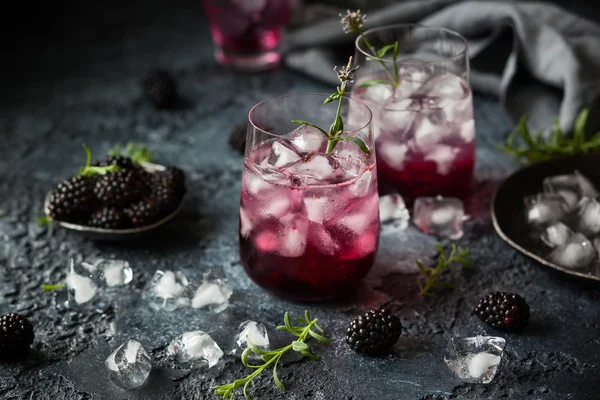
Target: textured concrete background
[79, 82]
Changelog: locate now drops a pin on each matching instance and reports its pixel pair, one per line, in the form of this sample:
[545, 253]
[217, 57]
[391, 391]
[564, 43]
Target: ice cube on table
[578, 252]
[129, 365]
[545, 208]
[556, 234]
[282, 156]
[475, 359]
[393, 209]
[307, 138]
[439, 216]
[167, 290]
[251, 331]
[115, 272]
[212, 294]
[195, 347]
[588, 217]
[82, 283]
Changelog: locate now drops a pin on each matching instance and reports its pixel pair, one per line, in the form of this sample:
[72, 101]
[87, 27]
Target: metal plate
[117, 235]
[508, 209]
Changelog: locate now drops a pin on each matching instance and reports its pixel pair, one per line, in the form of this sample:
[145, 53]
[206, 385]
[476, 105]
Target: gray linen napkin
[538, 58]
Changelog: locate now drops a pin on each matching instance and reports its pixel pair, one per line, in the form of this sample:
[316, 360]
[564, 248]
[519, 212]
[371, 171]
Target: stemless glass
[422, 107]
[247, 33]
[309, 221]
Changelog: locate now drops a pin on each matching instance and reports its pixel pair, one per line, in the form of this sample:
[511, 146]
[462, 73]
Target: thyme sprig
[88, 169]
[302, 333]
[429, 278]
[353, 22]
[527, 147]
[334, 134]
[49, 287]
[139, 153]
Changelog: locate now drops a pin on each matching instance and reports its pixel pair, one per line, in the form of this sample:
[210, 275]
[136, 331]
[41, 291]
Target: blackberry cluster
[16, 335]
[503, 310]
[373, 332]
[130, 197]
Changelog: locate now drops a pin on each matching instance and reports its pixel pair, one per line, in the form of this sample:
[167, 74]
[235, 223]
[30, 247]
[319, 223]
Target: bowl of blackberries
[122, 196]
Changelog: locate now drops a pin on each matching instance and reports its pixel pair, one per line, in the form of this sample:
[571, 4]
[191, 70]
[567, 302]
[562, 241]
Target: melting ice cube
[167, 290]
[115, 272]
[545, 208]
[282, 156]
[129, 365]
[588, 215]
[82, 282]
[577, 252]
[440, 216]
[195, 346]
[213, 294]
[474, 359]
[252, 331]
[556, 234]
[393, 209]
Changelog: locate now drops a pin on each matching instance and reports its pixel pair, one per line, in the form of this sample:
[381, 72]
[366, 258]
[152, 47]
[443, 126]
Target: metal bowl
[116, 235]
[508, 208]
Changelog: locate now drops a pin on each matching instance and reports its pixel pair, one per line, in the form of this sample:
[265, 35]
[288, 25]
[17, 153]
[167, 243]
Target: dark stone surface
[79, 82]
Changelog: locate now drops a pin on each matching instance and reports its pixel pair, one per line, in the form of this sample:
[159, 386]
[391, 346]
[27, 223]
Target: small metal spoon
[116, 235]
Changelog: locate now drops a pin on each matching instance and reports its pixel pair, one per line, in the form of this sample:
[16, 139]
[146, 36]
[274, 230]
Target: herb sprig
[89, 169]
[535, 147]
[302, 332]
[49, 287]
[354, 22]
[429, 278]
[138, 153]
[334, 134]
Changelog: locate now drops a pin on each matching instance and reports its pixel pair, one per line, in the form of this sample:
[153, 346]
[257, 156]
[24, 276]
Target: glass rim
[426, 27]
[289, 95]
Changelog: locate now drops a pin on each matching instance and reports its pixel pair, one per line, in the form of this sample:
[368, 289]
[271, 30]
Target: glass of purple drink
[422, 108]
[309, 220]
[247, 33]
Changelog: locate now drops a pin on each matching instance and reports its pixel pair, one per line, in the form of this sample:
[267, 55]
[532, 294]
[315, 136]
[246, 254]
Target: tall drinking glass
[247, 33]
[423, 109]
[309, 220]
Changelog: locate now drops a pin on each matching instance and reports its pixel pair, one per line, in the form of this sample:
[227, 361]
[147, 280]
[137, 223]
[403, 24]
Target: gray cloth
[539, 59]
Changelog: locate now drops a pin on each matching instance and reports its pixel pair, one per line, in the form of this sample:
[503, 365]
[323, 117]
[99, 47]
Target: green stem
[393, 79]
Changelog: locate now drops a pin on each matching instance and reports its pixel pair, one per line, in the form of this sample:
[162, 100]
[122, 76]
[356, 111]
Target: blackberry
[160, 89]
[237, 138]
[119, 188]
[109, 218]
[373, 332]
[122, 161]
[72, 199]
[16, 335]
[172, 178]
[144, 212]
[503, 310]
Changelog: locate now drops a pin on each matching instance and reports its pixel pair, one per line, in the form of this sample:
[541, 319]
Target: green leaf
[244, 358]
[373, 82]
[307, 316]
[300, 122]
[44, 220]
[276, 378]
[317, 327]
[310, 355]
[287, 322]
[332, 97]
[299, 346]
[245, 391]
[396, 50]
[337, 127]
[359, 142]
[51, 287]
[385, 49]
[320, 338]
[579, 130]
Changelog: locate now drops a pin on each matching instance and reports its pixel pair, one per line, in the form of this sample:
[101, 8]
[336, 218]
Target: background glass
[423, 124]
[309, 221]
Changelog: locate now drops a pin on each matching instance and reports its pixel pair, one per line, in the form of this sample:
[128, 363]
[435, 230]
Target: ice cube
[578, 252]
[293, 237]
[115, 272]
[393, 154]
[319, 208]
[412, 78]
[545, 208]
[129, 365]
[430, 130]
[362, 185]
[213, 294]
[245, 223]
[373, 94]
[282, 156]
[597, 244]
[253, 332]
[588, 217]
[475, 359]
[439, 216]
[167, 290]
[276, 206]
[320, 238]
[82, 283]
[443, 156]
[393, 209]
[446, 86]
[195, 347]
[556, 234]
[361, 216]
[467, 130]
[316, 168]
[350, 163]
[307, 138]
[256, 184]
[575, 185]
